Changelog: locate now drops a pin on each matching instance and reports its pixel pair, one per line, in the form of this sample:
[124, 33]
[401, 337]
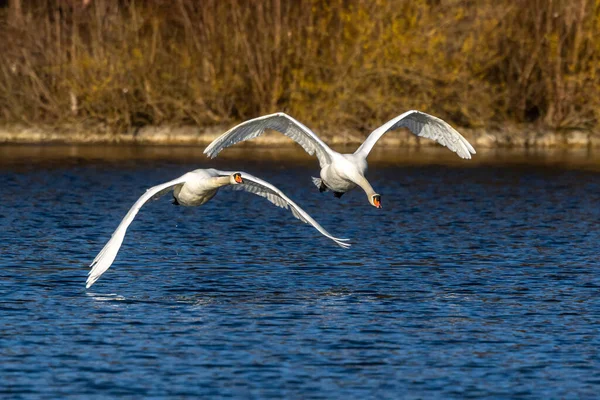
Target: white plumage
[194, 189]
[343, 172]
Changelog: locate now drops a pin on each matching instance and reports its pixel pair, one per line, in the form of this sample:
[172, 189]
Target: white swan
[343, 172]
[194, 189]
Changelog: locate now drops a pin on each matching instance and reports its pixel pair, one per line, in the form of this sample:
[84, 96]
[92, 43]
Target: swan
[343, 172]
[194, 189]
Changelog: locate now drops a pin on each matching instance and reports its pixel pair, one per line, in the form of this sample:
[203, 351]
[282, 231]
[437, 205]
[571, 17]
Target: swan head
[375, 200]
[236, 178]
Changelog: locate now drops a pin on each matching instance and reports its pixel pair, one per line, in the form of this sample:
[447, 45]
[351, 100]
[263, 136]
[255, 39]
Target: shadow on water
[479, 280]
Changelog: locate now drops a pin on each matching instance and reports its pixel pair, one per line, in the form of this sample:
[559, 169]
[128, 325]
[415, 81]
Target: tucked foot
[319, 183]
[338, 194]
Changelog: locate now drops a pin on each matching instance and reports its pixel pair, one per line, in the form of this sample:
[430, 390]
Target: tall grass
[350, 64]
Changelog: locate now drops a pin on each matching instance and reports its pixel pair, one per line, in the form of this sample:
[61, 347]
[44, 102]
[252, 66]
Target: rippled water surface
[473, 281]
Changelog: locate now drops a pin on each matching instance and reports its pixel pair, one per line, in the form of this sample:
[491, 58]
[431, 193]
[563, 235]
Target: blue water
[471, 282]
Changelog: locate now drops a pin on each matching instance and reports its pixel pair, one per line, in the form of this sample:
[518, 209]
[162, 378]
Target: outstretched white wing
[423, 125]
[259, 187]
[279, 122]
[107, 255]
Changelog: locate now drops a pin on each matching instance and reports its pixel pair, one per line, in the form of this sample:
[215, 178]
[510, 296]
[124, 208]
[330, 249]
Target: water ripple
[471, 283]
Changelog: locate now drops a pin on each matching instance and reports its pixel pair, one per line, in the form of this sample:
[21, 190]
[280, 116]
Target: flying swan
[343, 172]
[194, 189]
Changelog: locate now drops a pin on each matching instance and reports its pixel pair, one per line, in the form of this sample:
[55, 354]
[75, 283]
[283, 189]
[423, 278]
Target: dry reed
[351, 64]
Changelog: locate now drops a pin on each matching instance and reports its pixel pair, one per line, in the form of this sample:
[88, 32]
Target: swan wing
[107, 255]
[264, 189]
[280, 122]
[423, 125]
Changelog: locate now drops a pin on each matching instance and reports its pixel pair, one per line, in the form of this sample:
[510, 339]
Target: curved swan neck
[220, 181]
[365, 185]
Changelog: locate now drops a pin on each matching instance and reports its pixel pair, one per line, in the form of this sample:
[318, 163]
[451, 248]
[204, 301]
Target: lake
[476, 279]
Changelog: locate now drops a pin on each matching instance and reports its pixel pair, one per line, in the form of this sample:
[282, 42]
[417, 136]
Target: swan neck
[220, 181]
[365, 185]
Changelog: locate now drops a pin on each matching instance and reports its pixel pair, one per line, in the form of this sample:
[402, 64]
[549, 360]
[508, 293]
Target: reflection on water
[477, 281]
[105, 297]
[581, 158]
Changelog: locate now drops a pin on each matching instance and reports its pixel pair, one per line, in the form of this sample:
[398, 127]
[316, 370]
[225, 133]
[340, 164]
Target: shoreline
[513, 137]
[50, 155]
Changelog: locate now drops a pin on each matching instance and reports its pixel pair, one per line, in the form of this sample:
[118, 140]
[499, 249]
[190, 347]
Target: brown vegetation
[350, 63]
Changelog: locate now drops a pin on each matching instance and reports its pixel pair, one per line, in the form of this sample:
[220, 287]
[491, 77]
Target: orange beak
[377, 203]
[238, 178]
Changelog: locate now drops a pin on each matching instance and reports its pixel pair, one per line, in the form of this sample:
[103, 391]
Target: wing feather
[107, 255]
[264, 189]
[279, 122]
[423, 125]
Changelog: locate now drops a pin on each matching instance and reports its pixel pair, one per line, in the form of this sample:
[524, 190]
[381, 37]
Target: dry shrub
[547, 62]
[338, 65]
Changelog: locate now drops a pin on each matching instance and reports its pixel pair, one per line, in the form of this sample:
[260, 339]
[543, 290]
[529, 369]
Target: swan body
[198, 189]
[343, 172]
[193, 189]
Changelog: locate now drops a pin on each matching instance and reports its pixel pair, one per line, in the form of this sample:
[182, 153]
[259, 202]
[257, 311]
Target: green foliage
[345, 63]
